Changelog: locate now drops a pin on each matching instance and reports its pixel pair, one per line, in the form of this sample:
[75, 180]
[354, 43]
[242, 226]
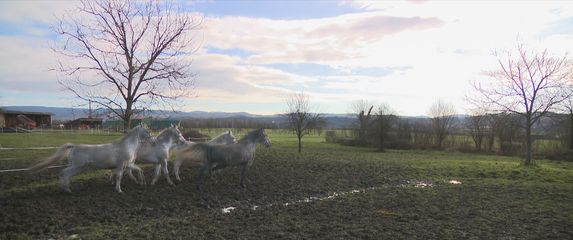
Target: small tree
[443, 116]
[383, 121]
[478, 125]
[567, 108]
[527, 83]
[298, 115]
[363, 110]
[505, 126]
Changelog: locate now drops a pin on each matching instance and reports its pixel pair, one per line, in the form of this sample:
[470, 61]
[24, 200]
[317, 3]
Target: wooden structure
[85, 123]
[25, 120]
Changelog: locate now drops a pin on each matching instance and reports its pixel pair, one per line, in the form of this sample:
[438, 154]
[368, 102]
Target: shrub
[195, 136]
[330, 136]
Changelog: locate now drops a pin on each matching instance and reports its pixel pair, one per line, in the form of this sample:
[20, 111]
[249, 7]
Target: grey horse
[157, 152]
[117, 155]
[213, 157]
[223, 138]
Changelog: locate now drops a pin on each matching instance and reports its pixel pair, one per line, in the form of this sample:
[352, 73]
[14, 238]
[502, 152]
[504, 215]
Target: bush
[330, 136]
[195, 136]
[560, 155]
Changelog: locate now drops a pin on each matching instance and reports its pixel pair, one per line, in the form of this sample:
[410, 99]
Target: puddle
[417, 184]
[408, 183]
[455, 182]
[228, 209]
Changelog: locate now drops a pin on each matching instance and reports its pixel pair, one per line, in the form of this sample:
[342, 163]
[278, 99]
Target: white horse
[221, 139]
[157, 152]
[215, 157]
[118, 155]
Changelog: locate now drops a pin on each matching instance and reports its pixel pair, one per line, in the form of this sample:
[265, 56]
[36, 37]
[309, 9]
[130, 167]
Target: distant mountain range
[64, 114]
[331, 120]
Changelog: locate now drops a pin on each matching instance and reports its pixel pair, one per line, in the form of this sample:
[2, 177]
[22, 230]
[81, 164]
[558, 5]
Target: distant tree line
[499, 133]
[230, 123]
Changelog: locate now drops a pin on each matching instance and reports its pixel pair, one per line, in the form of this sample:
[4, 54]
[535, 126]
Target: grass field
[328, 192]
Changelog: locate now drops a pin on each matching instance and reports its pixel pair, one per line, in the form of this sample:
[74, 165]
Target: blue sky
[252, 54]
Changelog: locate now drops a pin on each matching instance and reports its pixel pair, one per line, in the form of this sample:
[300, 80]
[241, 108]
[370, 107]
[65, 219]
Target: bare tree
[505, 126]
[299, 117]
[383, 121]
[126, 55]
[362, 109]
[528, 83]
[567, 109]
[443, 116]
[478, 124]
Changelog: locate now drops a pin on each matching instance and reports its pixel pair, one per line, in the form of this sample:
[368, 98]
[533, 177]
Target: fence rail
[29, 148]
[26, 169]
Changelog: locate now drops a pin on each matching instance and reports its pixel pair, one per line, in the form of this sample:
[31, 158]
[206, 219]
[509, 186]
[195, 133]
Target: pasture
[327, 192]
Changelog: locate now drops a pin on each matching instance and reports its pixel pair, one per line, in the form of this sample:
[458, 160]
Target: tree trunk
[126, 124]
[529, 145]
[381, 136]
[299, 143]
[127, 116]
[571, 131]
[381, 143]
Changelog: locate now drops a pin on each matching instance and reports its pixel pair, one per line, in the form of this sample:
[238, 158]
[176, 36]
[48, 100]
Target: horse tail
[62, 153]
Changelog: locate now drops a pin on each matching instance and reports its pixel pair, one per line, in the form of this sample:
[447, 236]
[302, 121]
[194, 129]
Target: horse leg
[130, 174]
[166, 172]
[243, 175]
[118, 172]
[176, 165]
[201, 176]
[157, 173]
[67, 173]
[112, 178]
[139, 172]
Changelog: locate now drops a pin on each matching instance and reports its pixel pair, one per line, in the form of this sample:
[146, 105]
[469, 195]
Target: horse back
[99, 156]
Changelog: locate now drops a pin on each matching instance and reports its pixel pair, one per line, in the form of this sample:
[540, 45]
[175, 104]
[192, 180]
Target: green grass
[498, 198]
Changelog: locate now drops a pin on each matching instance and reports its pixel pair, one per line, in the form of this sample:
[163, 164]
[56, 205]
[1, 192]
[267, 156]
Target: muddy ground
[326, 193]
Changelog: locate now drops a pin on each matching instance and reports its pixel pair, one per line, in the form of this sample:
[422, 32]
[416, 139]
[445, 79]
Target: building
[85, 123]
[24, 120]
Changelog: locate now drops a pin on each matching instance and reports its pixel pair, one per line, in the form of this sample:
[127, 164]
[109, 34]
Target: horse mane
[130, 132]
[220, 135]
[252, 135]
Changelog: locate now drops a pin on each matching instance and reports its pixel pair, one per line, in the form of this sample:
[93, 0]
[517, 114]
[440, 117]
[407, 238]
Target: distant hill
[64, 114]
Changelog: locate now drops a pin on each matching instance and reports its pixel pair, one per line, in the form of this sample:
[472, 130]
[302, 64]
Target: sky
[251, 55]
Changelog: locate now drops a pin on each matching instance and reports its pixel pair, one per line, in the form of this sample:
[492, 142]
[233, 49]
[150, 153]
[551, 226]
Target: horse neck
[164, 139]
[130, 139]
[246, 141]
[218, 139]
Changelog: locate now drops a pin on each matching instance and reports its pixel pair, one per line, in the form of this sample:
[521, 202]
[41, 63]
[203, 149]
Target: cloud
[26, 65]
[226, 78]
[321, 40]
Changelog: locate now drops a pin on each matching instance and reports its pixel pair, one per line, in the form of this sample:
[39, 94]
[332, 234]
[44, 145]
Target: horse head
[230, 138]
[263, 138]
[180, 138]
[141, 133]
